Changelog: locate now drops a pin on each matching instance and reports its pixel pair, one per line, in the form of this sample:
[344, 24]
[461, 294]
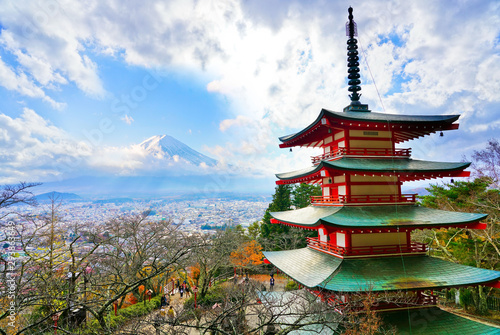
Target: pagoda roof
[387, 216]
[375, 165]
[423, 124]
[315, 269]
[434, 320]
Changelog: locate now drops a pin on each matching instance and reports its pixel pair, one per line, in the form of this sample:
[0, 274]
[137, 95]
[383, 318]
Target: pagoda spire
[353, 67]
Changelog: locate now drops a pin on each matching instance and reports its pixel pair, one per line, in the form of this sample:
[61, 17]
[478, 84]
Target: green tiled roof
[313, 268]
[308, 266]
[377, 117]
[434, 321]
[399, 273]
[375, 216]
[377, 165]
[395, 118]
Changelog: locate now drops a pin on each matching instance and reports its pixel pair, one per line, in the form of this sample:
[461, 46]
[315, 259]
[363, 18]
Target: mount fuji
[164, 147]
[160, 165]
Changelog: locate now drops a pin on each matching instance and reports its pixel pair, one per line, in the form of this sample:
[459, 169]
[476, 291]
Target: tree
[211, 253]
[254, 230]
[486, 162]
[302, 194]
[137, 252]
[246, 308]
[92, 270]
[247, 254]
[16, 194]
[278, 236]
[478, 248]
[42, 285]
[281, 202]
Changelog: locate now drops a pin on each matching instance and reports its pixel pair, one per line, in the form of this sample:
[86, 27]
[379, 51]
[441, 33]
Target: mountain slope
[167, 147]
[57, 196]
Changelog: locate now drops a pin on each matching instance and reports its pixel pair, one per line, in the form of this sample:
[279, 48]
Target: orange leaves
[195, 272]
[141, 289]
[249, 253]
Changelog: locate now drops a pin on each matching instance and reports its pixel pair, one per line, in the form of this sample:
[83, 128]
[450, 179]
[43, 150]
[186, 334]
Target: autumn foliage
[249, 253]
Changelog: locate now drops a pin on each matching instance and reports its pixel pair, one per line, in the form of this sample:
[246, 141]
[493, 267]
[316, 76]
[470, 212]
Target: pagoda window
[323, 236]
[328, 139]
[339, 135]
[341, 239]
[342, 190]
[326, 191]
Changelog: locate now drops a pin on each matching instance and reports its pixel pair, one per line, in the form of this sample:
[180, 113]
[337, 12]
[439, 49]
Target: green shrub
[291, 286]
[123, 315]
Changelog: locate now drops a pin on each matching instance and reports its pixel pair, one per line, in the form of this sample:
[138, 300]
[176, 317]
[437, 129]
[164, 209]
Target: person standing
[271, 283]
[185, 288]
[163, 301]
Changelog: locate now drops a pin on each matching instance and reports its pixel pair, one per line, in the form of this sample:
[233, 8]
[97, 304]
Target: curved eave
[405, 273]
[307, 217]
[440, 321]
[392, 118]
[313, 268]
[375, 217]
[418, 125]
[374, 166]
[307, 266]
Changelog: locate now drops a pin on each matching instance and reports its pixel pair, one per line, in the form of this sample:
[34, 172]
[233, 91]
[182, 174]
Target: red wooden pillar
[348, 242]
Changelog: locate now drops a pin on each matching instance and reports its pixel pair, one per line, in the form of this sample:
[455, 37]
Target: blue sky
[82, 84]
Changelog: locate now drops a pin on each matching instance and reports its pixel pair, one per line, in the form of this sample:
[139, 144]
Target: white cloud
[22, 84]
[49, 43]
[33, 149]
[276, 66]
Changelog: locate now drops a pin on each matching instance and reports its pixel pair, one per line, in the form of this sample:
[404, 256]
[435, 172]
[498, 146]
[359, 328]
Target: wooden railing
[414, 247]
[361, 152]
[364, 199]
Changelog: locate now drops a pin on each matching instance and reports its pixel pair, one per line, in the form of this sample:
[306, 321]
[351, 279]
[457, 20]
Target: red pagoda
[364, 221]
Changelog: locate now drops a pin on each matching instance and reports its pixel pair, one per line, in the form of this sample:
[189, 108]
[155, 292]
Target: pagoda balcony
[364, 199]
[414, 247]
[397, 153]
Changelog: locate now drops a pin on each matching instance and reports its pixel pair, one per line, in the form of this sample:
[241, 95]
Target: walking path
[146, 325]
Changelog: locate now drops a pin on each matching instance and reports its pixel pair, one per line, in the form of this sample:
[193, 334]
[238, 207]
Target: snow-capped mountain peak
[167, 147]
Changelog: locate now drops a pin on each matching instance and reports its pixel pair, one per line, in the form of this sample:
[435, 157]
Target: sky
[83, 82]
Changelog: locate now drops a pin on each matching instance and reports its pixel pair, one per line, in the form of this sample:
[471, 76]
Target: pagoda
[364, 221]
